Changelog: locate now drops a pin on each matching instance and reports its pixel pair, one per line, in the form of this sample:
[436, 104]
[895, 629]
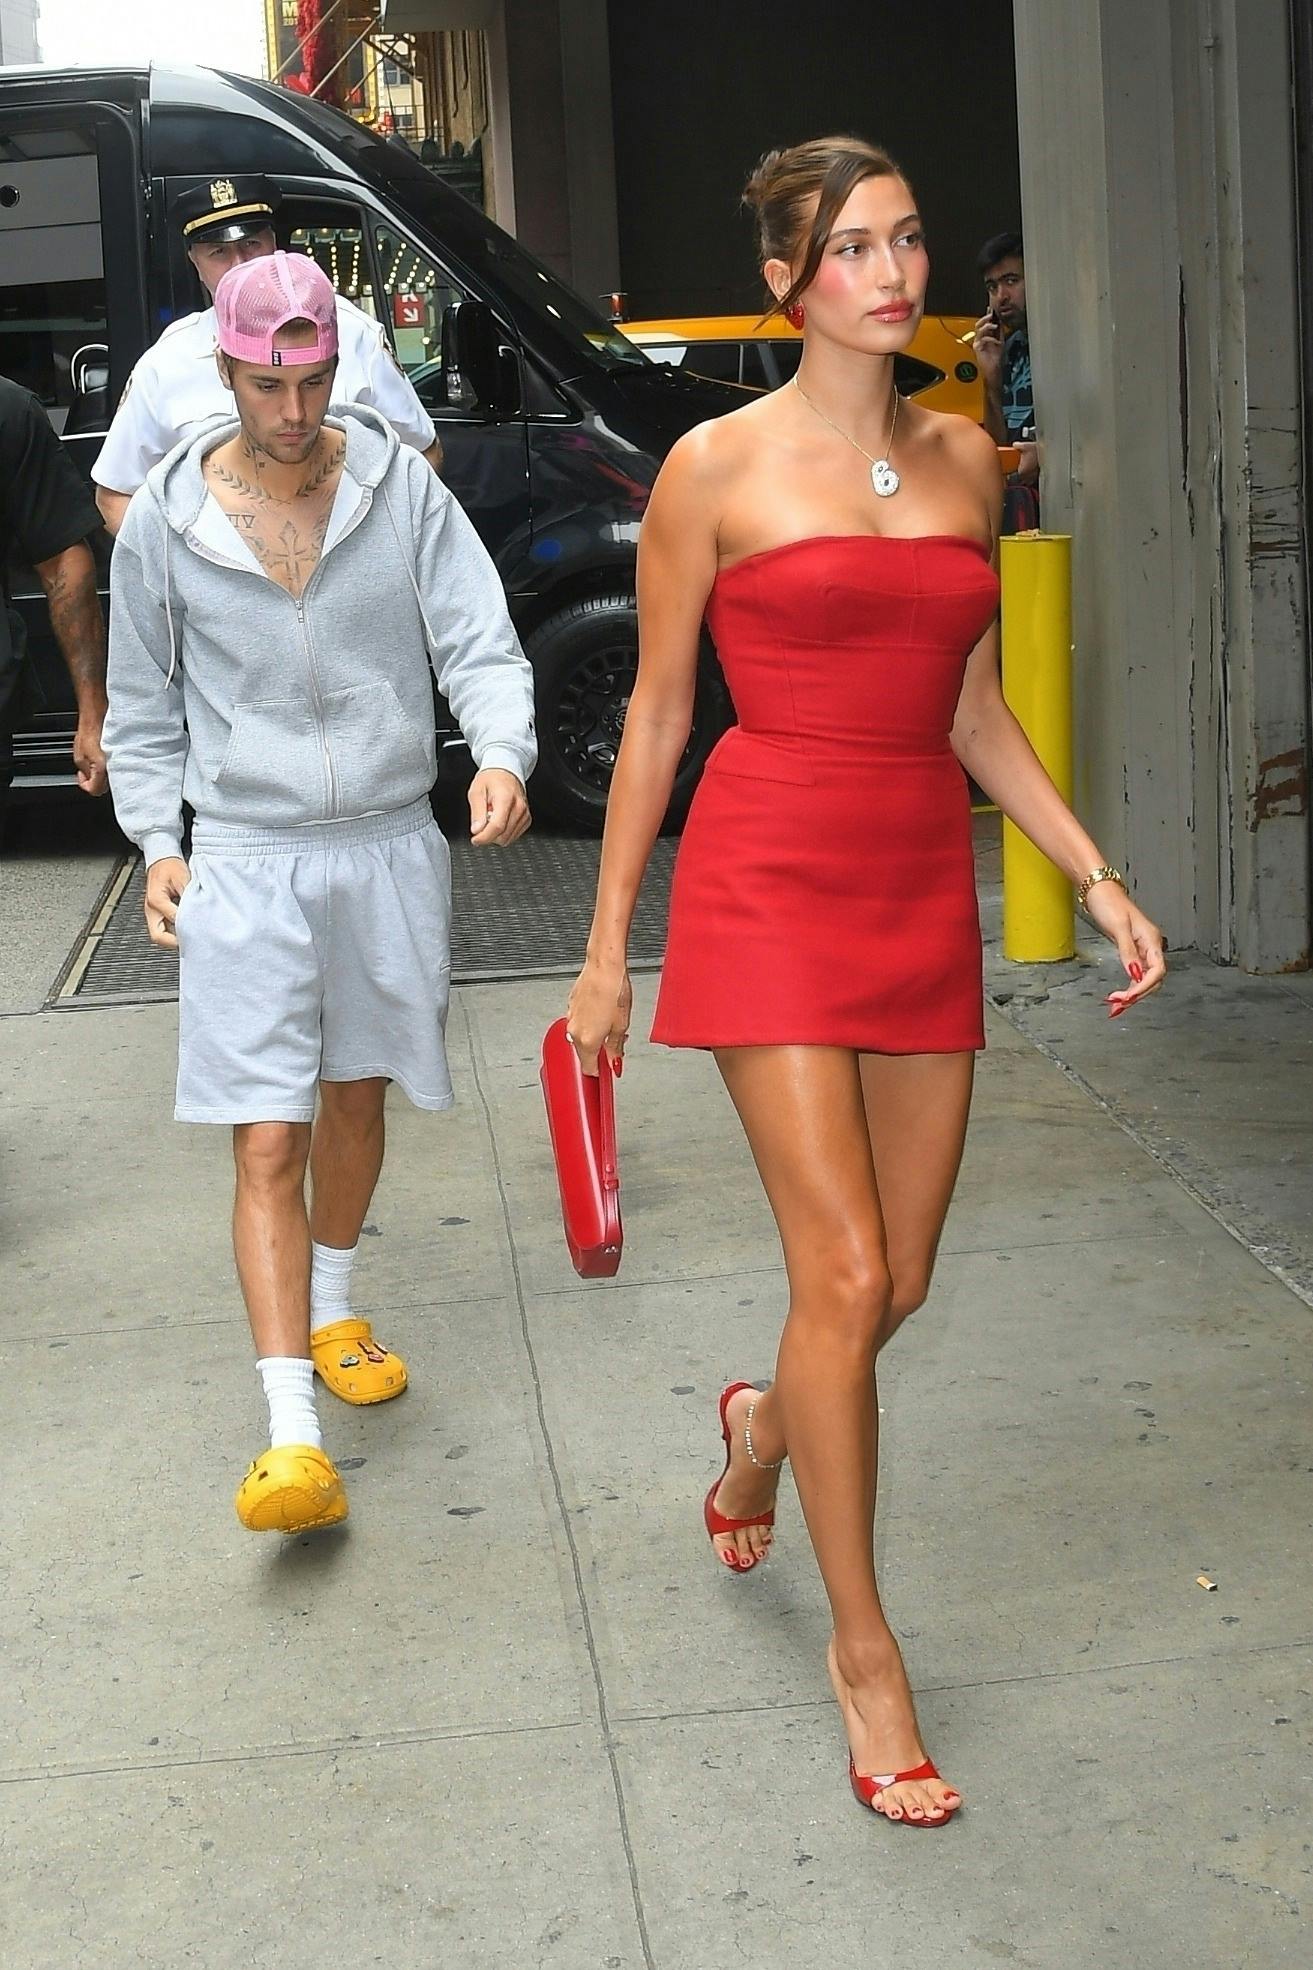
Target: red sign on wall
[408, 311]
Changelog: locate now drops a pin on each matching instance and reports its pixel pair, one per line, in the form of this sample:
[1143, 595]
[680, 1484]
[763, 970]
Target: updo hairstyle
[783, 186]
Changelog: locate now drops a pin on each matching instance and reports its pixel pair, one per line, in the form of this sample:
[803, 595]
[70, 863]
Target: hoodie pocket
[380, 756]
[274, 768]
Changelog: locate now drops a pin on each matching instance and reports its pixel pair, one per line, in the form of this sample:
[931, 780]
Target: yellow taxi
[938, 368]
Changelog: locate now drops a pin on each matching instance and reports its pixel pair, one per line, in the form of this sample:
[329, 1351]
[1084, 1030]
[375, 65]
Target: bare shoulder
[714, 450]
[703, 465]
[969, 445]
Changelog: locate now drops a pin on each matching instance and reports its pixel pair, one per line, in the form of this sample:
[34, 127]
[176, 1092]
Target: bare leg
[271, 1235]
[346, 1156]
[806, 1119]
[916, 1115]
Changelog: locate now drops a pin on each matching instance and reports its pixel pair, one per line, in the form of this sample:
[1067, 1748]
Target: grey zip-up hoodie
[262, 710]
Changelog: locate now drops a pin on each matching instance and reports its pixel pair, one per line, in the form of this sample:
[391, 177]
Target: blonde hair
[827, 169]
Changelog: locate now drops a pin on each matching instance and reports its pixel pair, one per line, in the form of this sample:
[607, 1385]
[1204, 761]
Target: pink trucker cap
[258, 297]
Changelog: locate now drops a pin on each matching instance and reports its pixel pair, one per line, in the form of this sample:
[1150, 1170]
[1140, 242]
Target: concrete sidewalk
[513, 1714]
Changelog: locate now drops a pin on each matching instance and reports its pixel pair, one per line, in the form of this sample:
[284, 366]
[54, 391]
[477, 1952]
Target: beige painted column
[1157, 154]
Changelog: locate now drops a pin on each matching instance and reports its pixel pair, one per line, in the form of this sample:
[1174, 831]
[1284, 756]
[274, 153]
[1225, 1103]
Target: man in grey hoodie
[278, 591]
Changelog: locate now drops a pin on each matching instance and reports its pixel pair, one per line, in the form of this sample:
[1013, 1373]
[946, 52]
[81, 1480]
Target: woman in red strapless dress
[824, 939]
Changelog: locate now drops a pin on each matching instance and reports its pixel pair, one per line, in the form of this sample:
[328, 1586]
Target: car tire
[585, 661]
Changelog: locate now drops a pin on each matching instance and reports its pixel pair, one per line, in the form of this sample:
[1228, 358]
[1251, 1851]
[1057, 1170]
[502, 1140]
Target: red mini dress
[824, 892]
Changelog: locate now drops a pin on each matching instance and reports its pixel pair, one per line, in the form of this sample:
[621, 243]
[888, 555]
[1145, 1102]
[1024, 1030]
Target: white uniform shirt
[175, 388]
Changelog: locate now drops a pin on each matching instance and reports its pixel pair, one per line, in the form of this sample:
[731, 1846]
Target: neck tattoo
[250, 484]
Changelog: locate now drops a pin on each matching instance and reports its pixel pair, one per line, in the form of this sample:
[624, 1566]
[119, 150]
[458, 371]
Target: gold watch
[1105, 873]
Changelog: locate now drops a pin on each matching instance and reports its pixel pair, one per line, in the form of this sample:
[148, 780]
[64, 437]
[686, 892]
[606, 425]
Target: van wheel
[585, 661]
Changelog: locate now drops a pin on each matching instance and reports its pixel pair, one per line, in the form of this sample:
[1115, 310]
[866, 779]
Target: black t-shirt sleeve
[45, 504]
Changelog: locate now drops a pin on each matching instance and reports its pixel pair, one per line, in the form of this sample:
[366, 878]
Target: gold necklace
[883, 477]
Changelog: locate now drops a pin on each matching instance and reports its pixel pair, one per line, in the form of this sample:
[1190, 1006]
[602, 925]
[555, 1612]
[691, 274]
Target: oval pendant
[885, 480]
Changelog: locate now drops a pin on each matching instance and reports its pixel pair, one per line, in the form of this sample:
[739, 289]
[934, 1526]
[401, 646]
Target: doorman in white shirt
[176, 388]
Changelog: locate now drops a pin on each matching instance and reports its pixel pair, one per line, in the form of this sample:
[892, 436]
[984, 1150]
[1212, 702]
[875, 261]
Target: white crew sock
[330, 1284]
[289, 1387]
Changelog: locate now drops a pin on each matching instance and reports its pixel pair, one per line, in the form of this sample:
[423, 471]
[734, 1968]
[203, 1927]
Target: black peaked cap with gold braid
[223, 209]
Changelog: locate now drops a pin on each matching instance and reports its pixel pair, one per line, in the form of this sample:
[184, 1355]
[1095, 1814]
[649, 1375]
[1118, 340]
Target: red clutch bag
[581, 1118]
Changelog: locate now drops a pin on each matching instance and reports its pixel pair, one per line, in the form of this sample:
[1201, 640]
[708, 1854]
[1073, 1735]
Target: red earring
[796, 315]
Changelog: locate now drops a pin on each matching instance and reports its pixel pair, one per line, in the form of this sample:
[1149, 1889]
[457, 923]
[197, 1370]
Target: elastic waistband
[218, 838]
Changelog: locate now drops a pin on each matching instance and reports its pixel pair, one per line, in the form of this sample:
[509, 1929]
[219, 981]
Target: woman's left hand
[1139, 943]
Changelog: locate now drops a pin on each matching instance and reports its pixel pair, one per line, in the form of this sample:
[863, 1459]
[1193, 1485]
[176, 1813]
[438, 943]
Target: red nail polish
[1137, 973]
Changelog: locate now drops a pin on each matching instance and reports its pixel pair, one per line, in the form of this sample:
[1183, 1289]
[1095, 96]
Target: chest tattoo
[286, 535]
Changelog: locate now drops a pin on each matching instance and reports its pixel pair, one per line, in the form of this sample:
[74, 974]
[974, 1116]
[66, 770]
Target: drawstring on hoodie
[168, 610]
[409, 560]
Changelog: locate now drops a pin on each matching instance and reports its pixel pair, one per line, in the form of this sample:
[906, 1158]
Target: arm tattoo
[69, 580]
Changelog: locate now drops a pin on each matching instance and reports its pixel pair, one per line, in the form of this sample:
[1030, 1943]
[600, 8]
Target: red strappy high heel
[867, 1790]
[716, 1522]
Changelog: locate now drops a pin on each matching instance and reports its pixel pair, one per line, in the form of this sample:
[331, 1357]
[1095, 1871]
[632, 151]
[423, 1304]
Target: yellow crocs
[353, 1364]
[293, 1489]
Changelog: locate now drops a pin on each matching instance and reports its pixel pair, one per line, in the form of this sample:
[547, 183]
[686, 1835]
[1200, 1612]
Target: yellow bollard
[1038, 907]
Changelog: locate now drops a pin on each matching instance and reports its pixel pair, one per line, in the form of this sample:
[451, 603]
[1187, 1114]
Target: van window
[492, 257]
[416, 295]
[54, 327]
[332, 233]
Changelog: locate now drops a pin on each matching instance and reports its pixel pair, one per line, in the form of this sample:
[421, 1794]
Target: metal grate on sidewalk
[520, 913]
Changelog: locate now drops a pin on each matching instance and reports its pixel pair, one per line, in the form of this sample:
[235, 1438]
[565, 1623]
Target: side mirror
[480, 373]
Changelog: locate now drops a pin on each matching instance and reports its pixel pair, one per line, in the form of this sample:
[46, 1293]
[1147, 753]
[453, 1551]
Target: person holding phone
[1002, 347]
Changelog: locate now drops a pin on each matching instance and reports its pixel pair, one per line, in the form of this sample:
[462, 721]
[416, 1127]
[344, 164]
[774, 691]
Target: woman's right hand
[598, 1013]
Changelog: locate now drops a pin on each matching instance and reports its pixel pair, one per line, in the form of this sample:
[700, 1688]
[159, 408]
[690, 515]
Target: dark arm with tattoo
[69, 580]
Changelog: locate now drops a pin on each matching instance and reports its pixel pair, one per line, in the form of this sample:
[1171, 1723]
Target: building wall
[1158, 188]
[19, 32]
[622, 133]
[460, 97]
[700, 92]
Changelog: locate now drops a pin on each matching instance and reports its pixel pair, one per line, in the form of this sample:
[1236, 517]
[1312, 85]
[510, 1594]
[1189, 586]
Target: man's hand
[89, 754]
[165, 882]
[988, 346]
[499, 808]
[1028, 464]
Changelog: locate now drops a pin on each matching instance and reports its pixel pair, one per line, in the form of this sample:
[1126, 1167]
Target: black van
[552, 423]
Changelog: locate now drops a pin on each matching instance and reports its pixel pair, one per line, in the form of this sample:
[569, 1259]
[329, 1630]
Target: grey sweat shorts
[311, 954]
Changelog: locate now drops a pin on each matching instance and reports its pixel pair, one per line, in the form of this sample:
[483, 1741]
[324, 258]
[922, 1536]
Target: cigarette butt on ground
[1209, 1586]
